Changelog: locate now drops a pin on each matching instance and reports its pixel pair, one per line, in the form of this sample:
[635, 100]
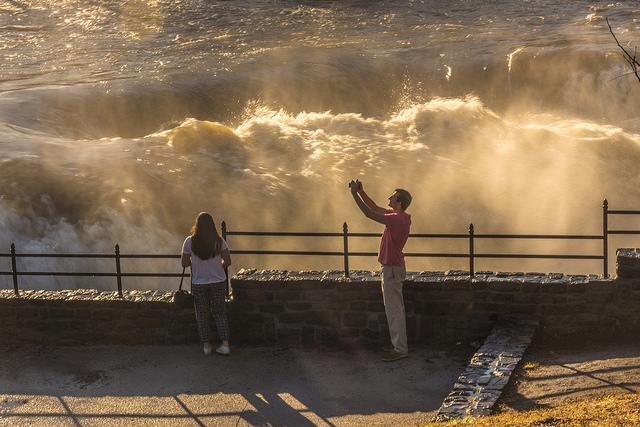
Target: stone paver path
[177, 385]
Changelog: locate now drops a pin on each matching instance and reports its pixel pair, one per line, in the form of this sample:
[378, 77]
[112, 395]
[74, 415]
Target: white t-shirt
[205, 271]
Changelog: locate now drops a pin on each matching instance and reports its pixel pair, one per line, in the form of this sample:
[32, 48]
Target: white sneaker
[207, 348]
[223, 349]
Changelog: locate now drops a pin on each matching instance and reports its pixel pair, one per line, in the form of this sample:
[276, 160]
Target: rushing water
[119, 121]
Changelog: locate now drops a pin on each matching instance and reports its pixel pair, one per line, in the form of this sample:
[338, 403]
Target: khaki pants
[392, 278]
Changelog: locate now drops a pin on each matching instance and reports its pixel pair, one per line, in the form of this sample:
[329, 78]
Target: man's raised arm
[368, 201]
[366, 210]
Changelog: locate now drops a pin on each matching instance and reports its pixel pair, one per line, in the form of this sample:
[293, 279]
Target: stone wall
[311, 307]
[92, 317]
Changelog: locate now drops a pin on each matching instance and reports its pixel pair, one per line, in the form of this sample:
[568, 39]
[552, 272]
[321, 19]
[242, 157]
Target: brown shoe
[392, 356]
[388, 348]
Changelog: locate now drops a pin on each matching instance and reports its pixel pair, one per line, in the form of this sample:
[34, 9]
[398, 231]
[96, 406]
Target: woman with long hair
[208, 255]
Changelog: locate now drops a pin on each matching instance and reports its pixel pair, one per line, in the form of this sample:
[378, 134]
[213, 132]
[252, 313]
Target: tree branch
[629, 59]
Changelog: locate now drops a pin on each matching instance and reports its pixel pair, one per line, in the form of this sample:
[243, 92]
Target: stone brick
[271, 308]
[554, 287]
[326, 335]
[298, 305]
[490, 307]
[269, 330]
[248, 332]
[503, 285]
[382, 320]
[10, 311]
[412, 327]
[321, 318]
[349, 332]
[34, 302]
[272, 285]
[623, 286]
[14, 322]
[576, 288]
[354, 320]
[358, 306]
[303, 285]
[350, 286]
[428, 286]
[240, 295]
[331, 306]
[289, 295]
[574, 308]
[457, 284]
[22, 312]
[372, 294]
[348, 295]
[56, 325]
[482, 295]
[436, 308]
[105, 314]
[307, 335]
[60, 312]
[460, 307]
[317, 296]
[249, 295]
[477, 285]
[375, 307]
[601, 286]
[243, 307]
[289, 334]
[269, 296]
[371, 334]
[522, 308]
[599, 298]
[145, 322]
[503, 296]
[531, 286]
[291, 317]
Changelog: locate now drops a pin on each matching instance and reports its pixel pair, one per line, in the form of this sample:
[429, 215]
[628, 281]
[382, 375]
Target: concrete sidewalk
[178, 385]
[555, 374]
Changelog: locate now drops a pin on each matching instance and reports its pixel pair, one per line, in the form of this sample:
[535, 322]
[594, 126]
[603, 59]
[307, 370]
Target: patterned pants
[206, 297]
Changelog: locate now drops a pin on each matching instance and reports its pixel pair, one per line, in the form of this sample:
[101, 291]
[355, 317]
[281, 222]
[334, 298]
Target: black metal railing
[117, 256]
[470, 235]
[471, 254]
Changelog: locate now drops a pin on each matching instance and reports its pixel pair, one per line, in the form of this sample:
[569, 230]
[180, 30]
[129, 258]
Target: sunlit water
[120, 121]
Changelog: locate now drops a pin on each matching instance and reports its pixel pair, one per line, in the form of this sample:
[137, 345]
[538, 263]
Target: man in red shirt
[396, 232]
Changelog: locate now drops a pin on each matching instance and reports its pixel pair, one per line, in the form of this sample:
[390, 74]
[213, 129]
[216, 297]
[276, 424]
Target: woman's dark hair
[205, 241]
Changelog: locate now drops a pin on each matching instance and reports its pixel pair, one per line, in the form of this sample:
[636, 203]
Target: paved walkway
[552, 375]
[177, 385]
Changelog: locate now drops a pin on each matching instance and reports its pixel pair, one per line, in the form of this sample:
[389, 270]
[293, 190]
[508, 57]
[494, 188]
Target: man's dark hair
[404, 198]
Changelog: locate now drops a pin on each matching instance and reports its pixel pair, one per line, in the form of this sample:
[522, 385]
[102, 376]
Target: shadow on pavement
[177, 385]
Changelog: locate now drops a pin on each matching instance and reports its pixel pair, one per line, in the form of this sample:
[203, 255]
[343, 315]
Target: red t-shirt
[396, 233]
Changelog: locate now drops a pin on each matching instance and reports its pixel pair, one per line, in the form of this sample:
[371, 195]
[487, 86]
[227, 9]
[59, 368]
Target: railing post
[118, 271]
[14, 269]
[345, 240]
[471, 252]
[223, 229]
[605, 237]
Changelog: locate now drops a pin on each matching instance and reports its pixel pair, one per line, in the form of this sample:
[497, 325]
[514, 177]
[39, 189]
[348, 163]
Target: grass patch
[616, 410]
